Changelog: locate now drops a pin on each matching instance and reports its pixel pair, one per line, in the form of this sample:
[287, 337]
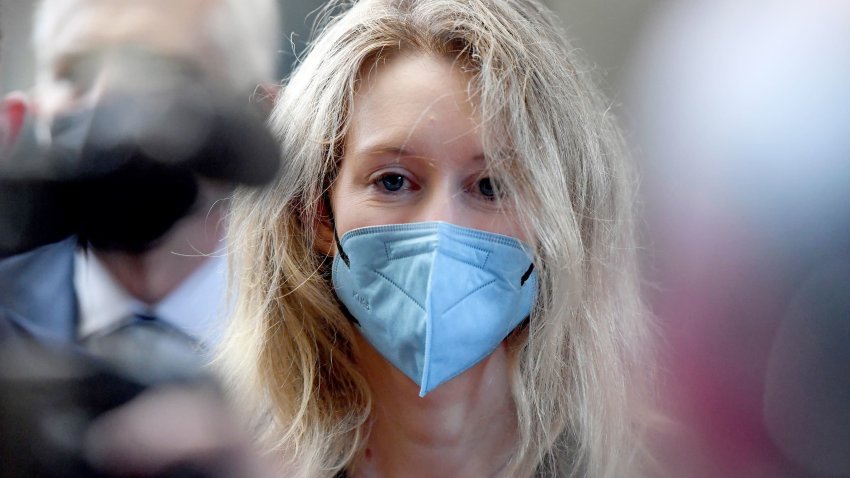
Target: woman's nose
[441, 204]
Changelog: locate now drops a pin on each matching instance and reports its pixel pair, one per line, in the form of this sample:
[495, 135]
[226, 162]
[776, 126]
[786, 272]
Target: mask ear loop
[525, 322]
[526, 275]
[327, 199]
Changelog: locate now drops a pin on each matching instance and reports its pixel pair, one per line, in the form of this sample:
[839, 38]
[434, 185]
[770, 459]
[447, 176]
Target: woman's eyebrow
[384, 149]
[385, 154]
[397, 150]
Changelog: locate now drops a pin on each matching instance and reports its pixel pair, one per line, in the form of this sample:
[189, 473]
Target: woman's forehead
[413, 102]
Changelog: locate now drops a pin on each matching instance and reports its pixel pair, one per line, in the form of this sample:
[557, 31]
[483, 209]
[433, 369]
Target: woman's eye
[392, 182]
[486, 188]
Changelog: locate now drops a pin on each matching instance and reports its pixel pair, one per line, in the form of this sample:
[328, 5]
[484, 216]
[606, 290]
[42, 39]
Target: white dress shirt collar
[196, 307]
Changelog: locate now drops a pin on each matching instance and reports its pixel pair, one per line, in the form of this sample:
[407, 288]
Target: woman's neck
[464, 428]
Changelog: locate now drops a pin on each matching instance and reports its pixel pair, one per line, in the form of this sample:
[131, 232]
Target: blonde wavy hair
[579, 366]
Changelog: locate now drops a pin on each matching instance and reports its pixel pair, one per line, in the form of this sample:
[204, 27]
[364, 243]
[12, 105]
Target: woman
[427, 141]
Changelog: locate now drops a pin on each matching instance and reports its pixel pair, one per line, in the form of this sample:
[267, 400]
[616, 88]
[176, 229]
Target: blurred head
[81, 45]
[141, 116]
[470, 112]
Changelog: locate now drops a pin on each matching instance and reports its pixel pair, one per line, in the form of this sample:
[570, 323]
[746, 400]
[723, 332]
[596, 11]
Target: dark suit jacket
[37, 288]
[43, 381]
[45, 376]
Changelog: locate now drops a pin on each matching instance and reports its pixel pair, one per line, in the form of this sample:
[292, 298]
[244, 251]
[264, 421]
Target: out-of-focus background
[607, 30]
[739, 116]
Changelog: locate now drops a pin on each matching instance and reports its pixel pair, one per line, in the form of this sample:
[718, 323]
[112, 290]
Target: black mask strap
[327, 198]
[526, 275]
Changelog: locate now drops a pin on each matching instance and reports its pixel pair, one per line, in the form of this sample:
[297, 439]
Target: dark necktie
[148, 349]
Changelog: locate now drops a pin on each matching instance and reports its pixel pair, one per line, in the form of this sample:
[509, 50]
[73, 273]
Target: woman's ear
[324, 228]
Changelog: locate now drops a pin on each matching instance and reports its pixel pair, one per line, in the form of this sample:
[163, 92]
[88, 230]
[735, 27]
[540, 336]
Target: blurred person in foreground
[128, 153]
[743, 110]
[138, 125]
[442, 280]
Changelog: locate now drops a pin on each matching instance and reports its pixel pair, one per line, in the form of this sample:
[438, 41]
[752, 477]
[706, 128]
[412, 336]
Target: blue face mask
[432, 298]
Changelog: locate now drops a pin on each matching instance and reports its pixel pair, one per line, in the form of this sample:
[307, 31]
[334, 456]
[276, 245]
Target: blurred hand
[171, 430]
